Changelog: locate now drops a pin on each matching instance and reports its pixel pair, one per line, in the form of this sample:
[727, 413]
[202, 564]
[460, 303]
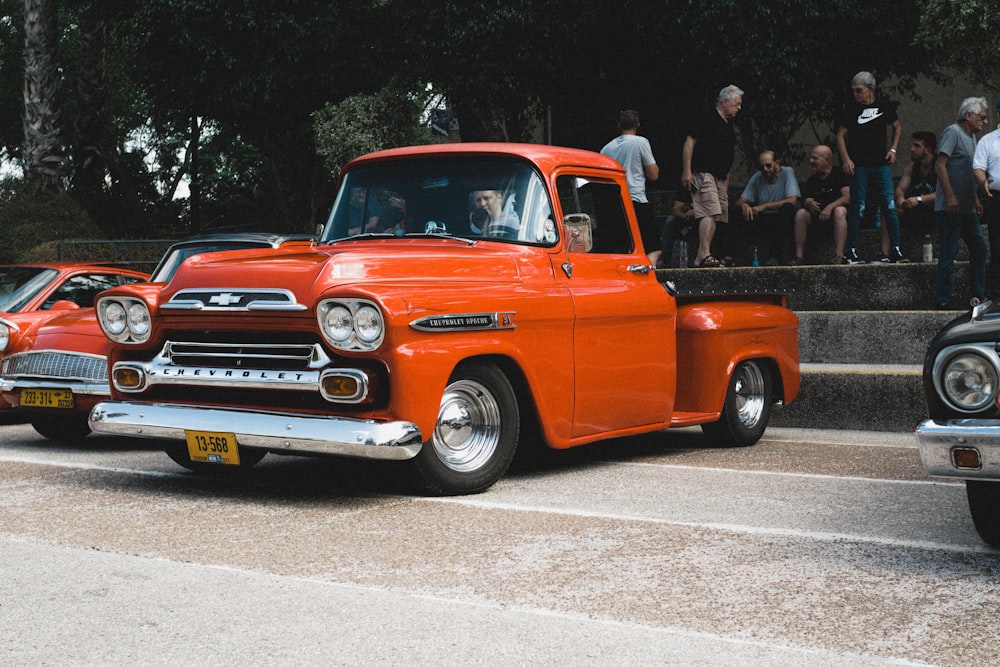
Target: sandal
[709, 261]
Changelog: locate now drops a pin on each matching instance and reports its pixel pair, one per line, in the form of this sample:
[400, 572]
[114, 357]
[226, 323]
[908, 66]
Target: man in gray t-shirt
[769, 199]
[955, 203]
[635, 156]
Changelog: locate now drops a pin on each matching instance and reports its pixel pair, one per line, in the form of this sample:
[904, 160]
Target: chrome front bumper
[11, 385]
[277, 431]
[937, 442]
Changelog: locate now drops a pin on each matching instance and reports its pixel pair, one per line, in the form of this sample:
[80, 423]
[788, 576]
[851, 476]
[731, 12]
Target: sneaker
[896, 256]
[851, 257]
[882, 259]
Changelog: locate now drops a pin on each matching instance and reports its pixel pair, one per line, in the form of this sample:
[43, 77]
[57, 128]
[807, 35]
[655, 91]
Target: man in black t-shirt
[707, 157]
[825, 197]
[917, 186]
[861, 140]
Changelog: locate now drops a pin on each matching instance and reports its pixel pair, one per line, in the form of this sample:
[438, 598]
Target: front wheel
[62, 428]
[475, 435]
[984, 504]
[747, 408]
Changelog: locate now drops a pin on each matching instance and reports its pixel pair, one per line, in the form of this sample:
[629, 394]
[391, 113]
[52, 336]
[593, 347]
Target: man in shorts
[708, 154]
[825, 197]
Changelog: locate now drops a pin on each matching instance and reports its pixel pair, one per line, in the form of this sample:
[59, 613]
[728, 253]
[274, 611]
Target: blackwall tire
[475, 435]
[747, 407]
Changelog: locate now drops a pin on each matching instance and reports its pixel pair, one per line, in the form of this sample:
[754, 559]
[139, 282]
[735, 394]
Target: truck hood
[382, 260]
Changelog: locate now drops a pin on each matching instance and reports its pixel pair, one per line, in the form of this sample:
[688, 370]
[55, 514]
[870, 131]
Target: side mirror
[64, 304]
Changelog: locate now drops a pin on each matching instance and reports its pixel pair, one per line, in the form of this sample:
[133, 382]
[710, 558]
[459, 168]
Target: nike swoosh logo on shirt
[868, 115]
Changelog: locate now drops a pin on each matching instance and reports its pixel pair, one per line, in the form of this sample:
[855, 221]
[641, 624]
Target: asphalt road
[813, 547]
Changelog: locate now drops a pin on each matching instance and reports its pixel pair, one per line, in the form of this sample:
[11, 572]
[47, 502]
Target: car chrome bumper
[938, 441]
[11, 385]
[284, 432]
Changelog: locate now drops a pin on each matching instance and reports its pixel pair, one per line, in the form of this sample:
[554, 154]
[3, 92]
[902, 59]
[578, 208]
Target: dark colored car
[57, 370]
[961, 438]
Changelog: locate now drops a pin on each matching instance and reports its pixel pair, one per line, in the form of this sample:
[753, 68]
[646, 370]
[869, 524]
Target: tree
[43, 154]
[964, 35]
[364, 123]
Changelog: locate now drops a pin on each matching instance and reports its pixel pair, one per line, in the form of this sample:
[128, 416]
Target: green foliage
[11, 76]
[362, 124]
[964, 35]
[30, 218]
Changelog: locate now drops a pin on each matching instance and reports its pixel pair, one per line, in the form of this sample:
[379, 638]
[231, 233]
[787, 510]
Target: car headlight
[967, 379]
[124, 319]
[4, 336]
[351, 325]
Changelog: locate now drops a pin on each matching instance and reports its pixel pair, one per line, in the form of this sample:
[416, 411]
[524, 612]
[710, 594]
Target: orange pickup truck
[459, 297]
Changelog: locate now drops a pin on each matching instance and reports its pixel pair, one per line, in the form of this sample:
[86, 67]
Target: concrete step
[872, 287]
[868, 337]
[864, 397]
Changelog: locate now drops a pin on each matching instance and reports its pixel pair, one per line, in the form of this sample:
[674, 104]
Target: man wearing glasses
[769, 200]
[861, 141]
[956, 205]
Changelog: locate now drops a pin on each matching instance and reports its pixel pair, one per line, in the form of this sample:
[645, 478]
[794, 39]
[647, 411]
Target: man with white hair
[861, 141]
[707, 157]
[955, 203]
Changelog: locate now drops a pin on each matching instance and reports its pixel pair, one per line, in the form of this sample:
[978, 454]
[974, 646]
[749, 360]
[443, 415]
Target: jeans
[991, 218]
[879, 180]
[774, 228]
[950, 228]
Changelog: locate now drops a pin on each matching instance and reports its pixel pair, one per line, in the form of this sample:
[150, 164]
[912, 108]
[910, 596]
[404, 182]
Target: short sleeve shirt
[759, 191]
[633, 153]
[824, 190]
[987, 158]
[960, 147]
[867, 125]
[715, 144]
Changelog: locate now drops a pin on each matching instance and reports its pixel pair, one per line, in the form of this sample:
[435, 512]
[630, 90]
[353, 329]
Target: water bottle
[928, 249]
[755, 261]
[683, 255]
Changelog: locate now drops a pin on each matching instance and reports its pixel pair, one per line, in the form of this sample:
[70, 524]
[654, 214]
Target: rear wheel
[62, 428]
[178, 453]
[984, 504]
[476, 433]
[747, 408]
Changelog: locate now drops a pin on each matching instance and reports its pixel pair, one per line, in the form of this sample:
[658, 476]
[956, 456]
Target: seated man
[771, 197]
[825, 198]
[489, 218]
[917, 186]
[676, 228]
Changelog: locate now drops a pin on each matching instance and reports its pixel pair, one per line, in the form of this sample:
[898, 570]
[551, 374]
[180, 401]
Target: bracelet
[892, 150]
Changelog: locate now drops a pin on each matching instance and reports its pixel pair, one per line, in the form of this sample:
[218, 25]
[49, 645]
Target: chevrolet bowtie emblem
[225, 299]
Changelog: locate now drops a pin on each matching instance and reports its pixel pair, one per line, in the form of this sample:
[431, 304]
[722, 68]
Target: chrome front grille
[57, 365]
[269, 356]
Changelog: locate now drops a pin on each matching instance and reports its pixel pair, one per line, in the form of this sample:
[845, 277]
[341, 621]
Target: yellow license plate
[47, 398]
[211, 447]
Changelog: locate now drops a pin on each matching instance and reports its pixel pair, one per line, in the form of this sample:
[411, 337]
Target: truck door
[623, 335]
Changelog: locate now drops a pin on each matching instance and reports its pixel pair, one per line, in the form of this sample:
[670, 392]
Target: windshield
[499, 199]
[18, 284]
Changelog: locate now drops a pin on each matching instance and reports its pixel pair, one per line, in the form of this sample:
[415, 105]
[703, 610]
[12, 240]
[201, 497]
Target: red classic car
[460, 296]
[56, 366]
[32, 294]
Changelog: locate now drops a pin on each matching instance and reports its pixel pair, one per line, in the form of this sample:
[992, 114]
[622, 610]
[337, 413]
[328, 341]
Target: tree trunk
[89, 168]
[43, 156]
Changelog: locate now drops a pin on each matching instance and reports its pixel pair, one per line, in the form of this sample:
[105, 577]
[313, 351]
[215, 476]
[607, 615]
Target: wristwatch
[920, 199]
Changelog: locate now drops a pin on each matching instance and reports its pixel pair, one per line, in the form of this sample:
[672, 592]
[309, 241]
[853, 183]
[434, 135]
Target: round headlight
[368, 324]
[4, 337]
[969, 381]
[115, 319]
[138, 320]
[338, 323]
